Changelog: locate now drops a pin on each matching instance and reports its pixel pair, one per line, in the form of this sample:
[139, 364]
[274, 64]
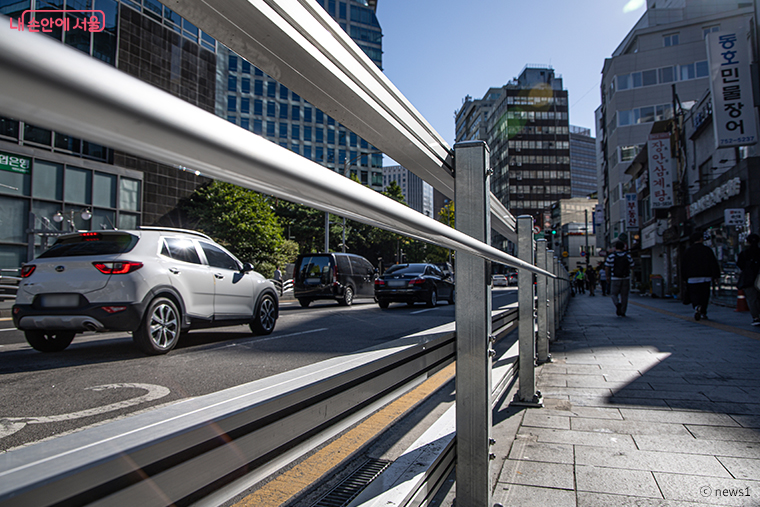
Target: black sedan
[411, 283]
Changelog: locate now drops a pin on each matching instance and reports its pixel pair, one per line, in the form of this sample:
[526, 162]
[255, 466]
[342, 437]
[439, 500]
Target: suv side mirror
[247, 267]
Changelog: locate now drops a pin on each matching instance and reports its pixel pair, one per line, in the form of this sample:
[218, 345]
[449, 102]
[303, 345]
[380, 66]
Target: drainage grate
[352, 485]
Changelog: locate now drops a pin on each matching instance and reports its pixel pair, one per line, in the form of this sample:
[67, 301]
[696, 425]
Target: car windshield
[406, 269]
[91, 243]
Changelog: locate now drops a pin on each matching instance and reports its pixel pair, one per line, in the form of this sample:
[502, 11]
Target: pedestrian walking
[749, 263]
[603, 280]
[580, 281]
[591, 280]
[618, 267]
[699, 268]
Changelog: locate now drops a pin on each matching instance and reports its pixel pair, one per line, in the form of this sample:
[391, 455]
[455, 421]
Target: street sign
[565, 254]
[734, 217]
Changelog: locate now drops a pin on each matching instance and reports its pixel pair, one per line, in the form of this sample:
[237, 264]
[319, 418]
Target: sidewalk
[652, 409]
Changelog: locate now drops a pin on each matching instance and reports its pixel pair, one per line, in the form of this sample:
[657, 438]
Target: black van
[336, 276]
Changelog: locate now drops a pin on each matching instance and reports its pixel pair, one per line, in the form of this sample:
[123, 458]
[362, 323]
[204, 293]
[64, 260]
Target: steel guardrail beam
[60, 88]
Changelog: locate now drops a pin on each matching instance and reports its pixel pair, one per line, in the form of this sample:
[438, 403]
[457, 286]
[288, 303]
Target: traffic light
[554, 232]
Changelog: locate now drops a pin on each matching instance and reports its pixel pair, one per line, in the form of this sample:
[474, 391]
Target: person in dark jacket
[749, 263]
[699, 268]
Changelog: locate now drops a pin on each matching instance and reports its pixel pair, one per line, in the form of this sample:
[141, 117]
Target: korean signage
[727, 190]
[631, 212]
[84, 20]
[15, 163]
[734, 217]
[660, 179]
[733, 106]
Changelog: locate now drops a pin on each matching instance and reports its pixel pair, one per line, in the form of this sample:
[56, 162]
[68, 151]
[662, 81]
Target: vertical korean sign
[660, 179]
[631, 212]
[733, 109]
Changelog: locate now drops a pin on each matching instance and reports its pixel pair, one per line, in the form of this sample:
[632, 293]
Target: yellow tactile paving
[295, 480]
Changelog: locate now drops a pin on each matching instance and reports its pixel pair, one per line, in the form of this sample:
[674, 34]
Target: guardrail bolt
[491, 441]
[492, 338]
[491, 456]
[491, 353]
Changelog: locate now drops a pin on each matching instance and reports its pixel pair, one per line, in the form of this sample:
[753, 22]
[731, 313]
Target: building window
[232, 84]
[231, 103]
[270, 109]
[307, 133]
[258, 107]
[307, 114]
[245, 85]
[710, 29]
[271, 89]
[245, 123]
[245, 105]
[283, 92]
[295, 113]
[295, 132]
[283, 111]
[257, 127]
[670, 40]
[233, 63]
[270, 129]
[284, 130]
[246, 67]
[258, 88]
[307, 152]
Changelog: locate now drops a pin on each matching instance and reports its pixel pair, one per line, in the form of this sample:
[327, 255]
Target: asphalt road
[101, 377]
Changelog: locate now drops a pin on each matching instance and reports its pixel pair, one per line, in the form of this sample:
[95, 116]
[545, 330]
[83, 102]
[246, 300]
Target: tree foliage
[241, 220]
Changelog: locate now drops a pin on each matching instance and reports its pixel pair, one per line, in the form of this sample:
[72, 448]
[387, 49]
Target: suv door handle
[174, 270]
[218, 275]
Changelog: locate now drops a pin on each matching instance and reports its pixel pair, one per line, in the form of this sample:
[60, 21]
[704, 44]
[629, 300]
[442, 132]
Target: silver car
[156, 283]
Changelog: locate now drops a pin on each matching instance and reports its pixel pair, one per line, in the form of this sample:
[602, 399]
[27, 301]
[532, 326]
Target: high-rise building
[525, 124]
[582, 162]
[58, 177]
[248, 97]
[664, 56]
[418, 194]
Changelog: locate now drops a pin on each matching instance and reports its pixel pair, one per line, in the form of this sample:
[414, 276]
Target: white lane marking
[10, 425]
[289, 335]
[422, 311]
[9, 329]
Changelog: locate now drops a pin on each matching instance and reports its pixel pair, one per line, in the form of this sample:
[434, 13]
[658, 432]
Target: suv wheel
[451, 298]
[304, 302]
[432, 299]
[265, 316]
[49, 341]
[383, 303]
[159, 330]
[348, 297]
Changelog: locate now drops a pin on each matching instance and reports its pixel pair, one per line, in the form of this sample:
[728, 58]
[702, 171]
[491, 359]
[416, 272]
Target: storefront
[728, 210]
[44, 193]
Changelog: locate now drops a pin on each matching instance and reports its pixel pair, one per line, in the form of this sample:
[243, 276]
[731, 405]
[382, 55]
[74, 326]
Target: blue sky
[438, 51]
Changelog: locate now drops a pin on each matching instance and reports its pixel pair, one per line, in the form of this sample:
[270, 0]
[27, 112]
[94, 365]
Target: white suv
[154, 282]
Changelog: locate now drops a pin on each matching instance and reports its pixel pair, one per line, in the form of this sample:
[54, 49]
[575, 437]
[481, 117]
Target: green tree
[241, 220]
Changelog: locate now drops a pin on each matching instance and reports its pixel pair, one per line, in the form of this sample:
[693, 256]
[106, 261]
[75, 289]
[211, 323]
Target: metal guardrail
[214, 437]
[9, 283]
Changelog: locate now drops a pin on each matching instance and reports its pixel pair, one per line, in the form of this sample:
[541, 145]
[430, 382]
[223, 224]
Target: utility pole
[588, 261]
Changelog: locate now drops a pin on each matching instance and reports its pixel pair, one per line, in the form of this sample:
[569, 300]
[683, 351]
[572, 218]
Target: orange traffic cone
[741, 302]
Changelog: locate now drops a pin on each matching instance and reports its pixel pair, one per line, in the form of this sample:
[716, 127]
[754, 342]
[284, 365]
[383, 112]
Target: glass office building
[247, 97]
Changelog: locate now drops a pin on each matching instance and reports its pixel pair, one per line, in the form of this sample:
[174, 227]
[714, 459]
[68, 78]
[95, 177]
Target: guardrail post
[552, 268]
[528, 396]
[473, 324]
[542, 302]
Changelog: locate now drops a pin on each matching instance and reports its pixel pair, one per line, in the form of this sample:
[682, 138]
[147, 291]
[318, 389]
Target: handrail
[60, 88]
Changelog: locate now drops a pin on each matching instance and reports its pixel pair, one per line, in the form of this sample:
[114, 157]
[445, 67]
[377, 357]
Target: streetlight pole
[346, 164]
[585, 213]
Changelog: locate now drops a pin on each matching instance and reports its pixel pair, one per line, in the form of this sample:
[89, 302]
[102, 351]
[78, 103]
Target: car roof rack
[173, 229]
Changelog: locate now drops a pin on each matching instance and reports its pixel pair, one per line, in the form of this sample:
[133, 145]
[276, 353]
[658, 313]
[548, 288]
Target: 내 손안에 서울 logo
[86, 20]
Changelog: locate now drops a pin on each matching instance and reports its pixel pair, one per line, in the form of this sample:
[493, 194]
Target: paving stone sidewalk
[652, 409]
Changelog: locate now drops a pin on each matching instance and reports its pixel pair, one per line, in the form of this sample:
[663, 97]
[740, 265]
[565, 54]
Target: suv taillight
[117, 268]
[27, 270]
[416, 281]
[379, 282]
